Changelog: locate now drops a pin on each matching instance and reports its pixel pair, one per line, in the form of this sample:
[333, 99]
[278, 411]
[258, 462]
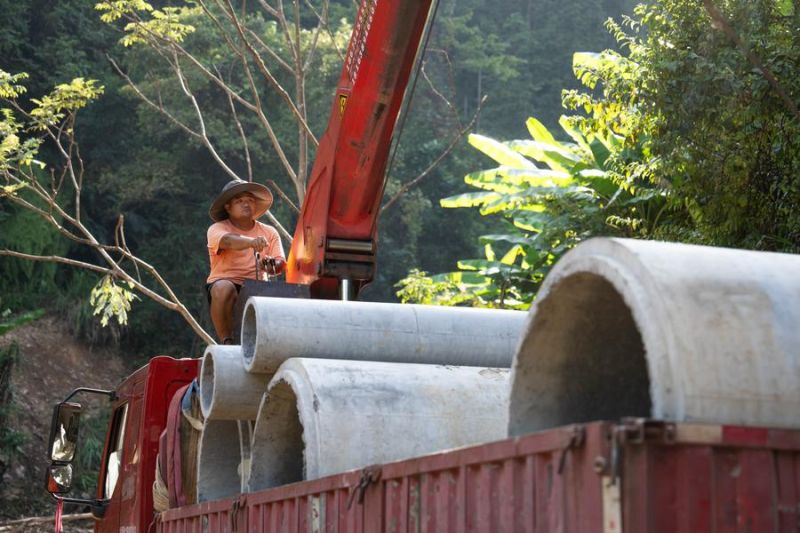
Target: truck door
[117, 475]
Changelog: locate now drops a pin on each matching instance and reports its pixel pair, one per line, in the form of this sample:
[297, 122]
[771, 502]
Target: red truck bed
[632, 476]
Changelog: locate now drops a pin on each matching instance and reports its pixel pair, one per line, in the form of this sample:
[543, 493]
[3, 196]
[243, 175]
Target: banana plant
[552, 195]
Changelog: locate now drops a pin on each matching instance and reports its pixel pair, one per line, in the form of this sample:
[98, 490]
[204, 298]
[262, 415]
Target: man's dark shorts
[209, 285]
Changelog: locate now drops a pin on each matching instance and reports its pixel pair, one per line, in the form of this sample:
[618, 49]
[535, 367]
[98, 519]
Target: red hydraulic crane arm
[336, 234]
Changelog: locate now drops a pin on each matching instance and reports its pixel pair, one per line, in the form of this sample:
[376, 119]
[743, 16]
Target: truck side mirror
[59, 479]
[64, 433]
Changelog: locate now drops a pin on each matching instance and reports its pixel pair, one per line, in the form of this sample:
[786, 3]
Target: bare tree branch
[279, 227]
[262, 67]
[157, 106]
[268, 8]
[323, 23]
[56, 259]
[13, 525]
[113, 267]
[117, 272]
[243, 137]
[425, 173]
[119, 235]
[268, 127]
[184, 83]
[282, 194]
[272, 54]
[435, 90]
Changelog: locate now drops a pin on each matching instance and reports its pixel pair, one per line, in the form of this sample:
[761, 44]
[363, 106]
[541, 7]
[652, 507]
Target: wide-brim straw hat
[232, 188]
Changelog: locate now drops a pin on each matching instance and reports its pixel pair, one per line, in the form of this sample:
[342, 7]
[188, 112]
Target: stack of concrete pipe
[324, 387]
[620, 328]
[229, 399]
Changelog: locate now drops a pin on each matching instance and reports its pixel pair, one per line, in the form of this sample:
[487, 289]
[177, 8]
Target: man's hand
[273, 265]
[258, 243]
[280, 265]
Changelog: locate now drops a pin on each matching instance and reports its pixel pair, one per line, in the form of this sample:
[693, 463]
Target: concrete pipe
[227, 390]
[220, 465]
[321, 416]
[274, 329]
[669, 331]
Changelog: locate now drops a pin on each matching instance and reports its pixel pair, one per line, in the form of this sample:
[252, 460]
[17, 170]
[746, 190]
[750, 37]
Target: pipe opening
[249, 334]
[218, 460]
[278, 447]
[583, 359]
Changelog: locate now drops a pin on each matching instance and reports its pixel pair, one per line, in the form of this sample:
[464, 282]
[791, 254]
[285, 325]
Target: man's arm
[231, 241]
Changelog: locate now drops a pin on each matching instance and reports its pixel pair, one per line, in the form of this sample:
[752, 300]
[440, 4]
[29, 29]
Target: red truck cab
[139, 415]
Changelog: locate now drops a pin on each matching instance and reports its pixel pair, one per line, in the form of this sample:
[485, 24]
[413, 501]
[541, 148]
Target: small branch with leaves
[53, 120]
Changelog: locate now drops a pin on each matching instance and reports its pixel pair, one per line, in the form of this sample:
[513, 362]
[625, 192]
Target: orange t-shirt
[239, 265]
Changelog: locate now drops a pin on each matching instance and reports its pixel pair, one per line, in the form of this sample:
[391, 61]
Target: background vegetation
[140, 164]
[684, 128]
[688, 134]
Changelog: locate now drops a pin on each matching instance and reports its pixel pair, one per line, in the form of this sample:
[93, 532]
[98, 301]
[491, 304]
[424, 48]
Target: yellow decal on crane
[342, 103]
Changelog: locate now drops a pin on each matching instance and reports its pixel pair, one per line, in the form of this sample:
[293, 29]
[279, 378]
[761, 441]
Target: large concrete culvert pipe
[669, 331]
[321, 417]
[227, 390]
[275, 329]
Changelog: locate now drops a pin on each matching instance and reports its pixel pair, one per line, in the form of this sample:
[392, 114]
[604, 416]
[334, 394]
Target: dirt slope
[50, 364]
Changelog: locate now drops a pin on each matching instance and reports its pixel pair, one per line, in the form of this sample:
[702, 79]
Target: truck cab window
[114, 459]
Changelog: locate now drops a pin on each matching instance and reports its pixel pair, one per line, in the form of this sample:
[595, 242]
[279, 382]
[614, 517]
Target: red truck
[631, 475]
[607, 476]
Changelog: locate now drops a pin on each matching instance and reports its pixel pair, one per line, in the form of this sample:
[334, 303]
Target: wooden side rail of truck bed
[631, 476]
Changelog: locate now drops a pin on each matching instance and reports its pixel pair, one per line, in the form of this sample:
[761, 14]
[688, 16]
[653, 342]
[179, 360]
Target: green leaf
[576, 135]
[499, 152]
[600, 152]
[469, 199]
[506, 237]
[489, 252]
[116, 9]
[462, 278]
[531, 221]
[539, 132]
[10, 190]
[511, 256]
[111, 301]
[509, 180]
[555, 156]
[9, 84]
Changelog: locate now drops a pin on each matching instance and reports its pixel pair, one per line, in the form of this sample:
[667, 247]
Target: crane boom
[336, 234]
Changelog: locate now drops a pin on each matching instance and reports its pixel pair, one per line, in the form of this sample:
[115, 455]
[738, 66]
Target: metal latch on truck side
[369, 475]
[576, 439]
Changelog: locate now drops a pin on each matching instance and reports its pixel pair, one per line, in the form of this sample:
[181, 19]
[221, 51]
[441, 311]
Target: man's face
[241, 206]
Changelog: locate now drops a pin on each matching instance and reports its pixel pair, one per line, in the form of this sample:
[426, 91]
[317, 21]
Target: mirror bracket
[112, 395]
[98, 506]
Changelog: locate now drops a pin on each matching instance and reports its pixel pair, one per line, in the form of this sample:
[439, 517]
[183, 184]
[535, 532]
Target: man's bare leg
[223, 296]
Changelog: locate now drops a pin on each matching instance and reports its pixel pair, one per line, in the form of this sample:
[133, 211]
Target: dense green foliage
[689, 134]
[139, 164]
[718, 131]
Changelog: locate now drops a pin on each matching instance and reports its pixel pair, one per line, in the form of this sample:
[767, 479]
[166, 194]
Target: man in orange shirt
[233, 240]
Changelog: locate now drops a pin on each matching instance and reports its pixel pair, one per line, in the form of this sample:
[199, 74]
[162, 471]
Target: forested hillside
[139, 162]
